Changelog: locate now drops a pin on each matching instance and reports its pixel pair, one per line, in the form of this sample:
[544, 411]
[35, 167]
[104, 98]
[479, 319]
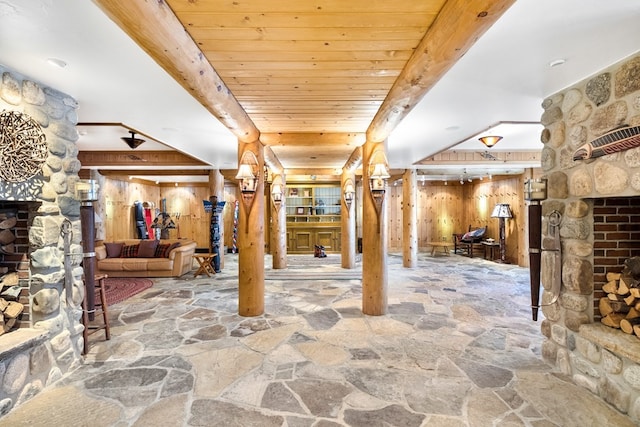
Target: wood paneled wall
[442, 211]
[447, 209]
[184, 204]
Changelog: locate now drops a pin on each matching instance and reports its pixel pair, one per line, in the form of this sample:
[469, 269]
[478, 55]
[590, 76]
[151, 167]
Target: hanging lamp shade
[490, 140]
[132, 141]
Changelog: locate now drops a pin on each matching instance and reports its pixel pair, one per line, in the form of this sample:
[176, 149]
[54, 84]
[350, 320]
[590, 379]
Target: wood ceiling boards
[321, 67]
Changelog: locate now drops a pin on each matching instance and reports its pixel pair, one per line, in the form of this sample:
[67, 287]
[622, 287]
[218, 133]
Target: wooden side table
[490, 247]
[443, 245]
[205, 266]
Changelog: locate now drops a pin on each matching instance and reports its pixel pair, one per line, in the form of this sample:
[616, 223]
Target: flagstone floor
[457, 348]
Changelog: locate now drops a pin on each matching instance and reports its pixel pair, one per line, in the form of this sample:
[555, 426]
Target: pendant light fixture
[132, 141]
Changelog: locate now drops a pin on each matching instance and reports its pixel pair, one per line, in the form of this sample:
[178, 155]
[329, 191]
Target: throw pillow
[113, 249]
[161, 249]
[147, 248]
[479, 232]
[467, 236]
[164, 249]
[129, 251]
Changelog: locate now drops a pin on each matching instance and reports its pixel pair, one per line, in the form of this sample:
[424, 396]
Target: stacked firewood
[7, 237]
[620, 308]
[9, 306]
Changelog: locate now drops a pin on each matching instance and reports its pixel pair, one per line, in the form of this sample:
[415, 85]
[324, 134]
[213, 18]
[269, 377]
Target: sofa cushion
[129, 251]
[147, 248]
[113, 249]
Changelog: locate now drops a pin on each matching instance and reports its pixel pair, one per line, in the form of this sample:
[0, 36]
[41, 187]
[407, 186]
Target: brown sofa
[171, 262]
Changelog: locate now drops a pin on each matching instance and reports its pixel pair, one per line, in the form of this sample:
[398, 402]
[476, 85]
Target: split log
[13, 310]
[8, 223]
[630, 300]
[6, 237]
[623, 287]
[626, 325]
[613, 276]
[615, 297]
[636, 330]
[635, 292]
[3, 304]
[607, 306]
[632, 314]
[8, 324]
[611, 287]
[10, 279]
[613, 320]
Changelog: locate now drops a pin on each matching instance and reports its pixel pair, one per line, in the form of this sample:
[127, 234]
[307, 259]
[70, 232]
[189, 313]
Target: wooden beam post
[409, 219]
[279, 226]
[348, 223]
[374, 242]
[251, 241]
[157, 30]
[459, 24]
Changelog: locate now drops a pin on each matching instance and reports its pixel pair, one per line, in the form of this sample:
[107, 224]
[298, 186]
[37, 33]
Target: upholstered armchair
[467, 242]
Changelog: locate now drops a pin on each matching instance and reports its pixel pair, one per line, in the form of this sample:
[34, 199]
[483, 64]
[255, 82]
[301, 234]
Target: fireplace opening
[616, 235]
[15, 274]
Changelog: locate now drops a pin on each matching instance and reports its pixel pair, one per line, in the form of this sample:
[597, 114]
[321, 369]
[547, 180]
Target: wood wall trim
[139, 159]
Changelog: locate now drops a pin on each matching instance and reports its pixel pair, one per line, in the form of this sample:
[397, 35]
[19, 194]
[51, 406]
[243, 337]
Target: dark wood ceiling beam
[458, 26]
[141, 159]
[154, 172]
[156, 29]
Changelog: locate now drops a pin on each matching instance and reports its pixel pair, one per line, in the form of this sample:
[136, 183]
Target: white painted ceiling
[504, 77]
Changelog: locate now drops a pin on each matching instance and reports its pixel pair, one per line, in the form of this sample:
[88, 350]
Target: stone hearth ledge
[20, 341]
[615, 341]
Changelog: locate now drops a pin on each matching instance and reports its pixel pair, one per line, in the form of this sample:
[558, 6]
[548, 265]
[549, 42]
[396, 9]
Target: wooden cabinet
[313, 217]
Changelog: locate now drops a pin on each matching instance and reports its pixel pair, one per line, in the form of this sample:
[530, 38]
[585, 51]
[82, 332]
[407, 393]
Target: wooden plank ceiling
[299, 67]
[296, 66]
[312, 78]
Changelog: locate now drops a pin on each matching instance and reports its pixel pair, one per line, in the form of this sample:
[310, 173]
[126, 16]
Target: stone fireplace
[46, 342]
[598, 201]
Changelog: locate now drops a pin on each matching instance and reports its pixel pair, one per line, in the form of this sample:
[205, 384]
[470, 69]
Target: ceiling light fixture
[556, 62]
[56, 62]
[132, 141]
[490, 140]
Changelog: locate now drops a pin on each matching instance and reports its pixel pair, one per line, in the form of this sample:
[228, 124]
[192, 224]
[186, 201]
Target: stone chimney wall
[603, 360]
[32, 358]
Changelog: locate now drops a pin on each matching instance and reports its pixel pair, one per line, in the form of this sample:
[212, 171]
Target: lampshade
[132, 141]
[349, 191]
[276, 192]
[501, 210]
[490, 140]
[380, 171]
[245, 172]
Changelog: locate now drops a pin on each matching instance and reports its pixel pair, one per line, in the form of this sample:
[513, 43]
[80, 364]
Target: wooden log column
[279, 226]
[251, 241]
[409, 219]
[374, 242]
[216, 188]
[348, 223]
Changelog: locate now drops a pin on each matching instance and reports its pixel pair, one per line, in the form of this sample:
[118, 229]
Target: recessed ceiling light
[556, 62]
[56, 62]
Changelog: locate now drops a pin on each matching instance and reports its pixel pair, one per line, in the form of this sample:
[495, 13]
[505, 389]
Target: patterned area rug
[119, 289]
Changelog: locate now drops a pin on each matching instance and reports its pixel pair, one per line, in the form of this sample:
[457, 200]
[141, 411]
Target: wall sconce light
[86, 190]
[349, 194]
[277, 191]
[502, 211]
[490, 140]
[535, 191]
[248, 175]
[378, 174]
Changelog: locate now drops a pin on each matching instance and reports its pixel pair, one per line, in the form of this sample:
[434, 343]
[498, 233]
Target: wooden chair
[467, 242]
[100, 310]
